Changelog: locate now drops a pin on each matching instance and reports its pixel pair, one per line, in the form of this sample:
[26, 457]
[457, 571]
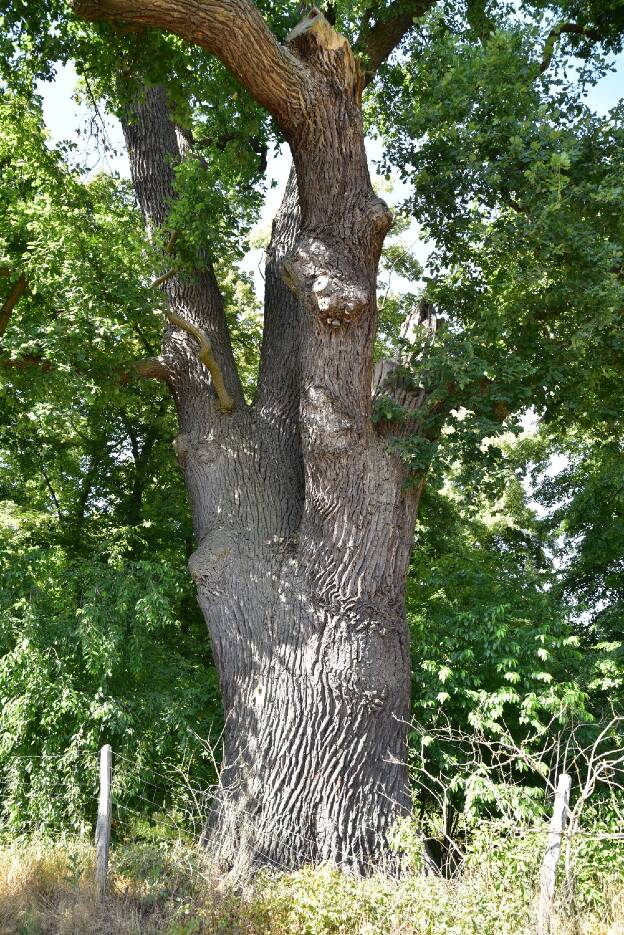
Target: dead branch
[148, 368]
[205, 354]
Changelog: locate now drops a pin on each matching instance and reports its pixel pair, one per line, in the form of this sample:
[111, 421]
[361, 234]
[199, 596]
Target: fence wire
[145, 799]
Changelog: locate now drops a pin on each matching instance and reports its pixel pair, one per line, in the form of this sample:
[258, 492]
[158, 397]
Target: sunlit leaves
[518, 187]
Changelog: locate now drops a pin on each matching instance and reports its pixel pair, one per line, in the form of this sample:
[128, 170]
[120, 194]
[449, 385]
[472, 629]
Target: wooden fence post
[553, 849]
[103, 827]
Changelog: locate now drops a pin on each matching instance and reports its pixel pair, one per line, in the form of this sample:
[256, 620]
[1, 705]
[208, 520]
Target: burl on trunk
[304, 520]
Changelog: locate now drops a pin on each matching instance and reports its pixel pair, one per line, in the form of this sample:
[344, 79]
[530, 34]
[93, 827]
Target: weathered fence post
[103, 827]
[553, 849]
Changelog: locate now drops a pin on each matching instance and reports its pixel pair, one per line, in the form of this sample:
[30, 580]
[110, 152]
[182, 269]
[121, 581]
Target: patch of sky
[99, 146]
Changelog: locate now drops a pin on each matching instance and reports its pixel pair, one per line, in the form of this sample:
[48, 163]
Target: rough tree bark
[303, 519]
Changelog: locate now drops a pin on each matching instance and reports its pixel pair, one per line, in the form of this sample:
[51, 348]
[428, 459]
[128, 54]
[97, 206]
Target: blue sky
[67, 120]
[63, 116]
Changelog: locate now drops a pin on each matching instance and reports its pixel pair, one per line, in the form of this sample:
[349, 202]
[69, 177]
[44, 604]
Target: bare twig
[206, 355]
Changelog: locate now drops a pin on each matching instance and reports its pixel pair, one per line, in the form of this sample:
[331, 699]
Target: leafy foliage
[508, 169]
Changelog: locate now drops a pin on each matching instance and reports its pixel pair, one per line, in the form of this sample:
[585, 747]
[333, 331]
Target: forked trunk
[303, 518]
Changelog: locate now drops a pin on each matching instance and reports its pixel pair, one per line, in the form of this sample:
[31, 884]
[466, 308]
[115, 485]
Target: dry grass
[156, 890]
[48, 889]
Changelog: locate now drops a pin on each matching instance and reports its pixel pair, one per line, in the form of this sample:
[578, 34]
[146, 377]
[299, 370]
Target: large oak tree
[303, 504]
[303, 517]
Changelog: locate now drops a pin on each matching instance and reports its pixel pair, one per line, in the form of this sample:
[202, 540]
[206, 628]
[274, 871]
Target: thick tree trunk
[304, 520]
[314, 671]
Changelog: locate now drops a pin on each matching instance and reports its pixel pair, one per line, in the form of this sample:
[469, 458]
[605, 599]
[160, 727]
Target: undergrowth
[169, 889]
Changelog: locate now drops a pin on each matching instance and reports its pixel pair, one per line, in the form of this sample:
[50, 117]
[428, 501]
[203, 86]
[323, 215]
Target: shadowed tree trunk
[303, 518]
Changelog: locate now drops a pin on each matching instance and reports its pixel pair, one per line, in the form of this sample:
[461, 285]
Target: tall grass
[47, 889]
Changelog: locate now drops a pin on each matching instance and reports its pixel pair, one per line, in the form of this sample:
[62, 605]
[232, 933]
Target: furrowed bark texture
[304, 520]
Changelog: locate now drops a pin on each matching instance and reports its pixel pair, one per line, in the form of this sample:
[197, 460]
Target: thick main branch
[233, 30]
[571, 29]
[377, 41]
[6, 310]
[154, 148]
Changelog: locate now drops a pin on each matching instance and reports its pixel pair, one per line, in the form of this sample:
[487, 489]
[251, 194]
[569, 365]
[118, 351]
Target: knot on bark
[381, 216]
[362, 666]
[181, 444]
[327, 425]
[210, 561]
[195, 445]
[329, 280]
